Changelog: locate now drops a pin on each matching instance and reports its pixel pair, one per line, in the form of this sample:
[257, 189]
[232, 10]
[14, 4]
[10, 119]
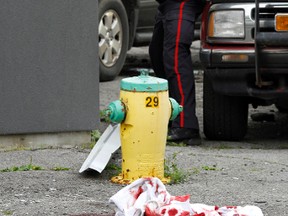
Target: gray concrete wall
[45, 140]
[48, 66]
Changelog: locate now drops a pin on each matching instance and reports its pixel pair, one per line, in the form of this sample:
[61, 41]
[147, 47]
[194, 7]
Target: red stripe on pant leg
[176, 62]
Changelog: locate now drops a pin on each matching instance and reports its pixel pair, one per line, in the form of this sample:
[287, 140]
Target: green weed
[195, 170]
[95, 135]
[60, 169]
[209, 168]
[27, 167]
[181, 144]
[104, 117]
[7, 212]
[30, 167]
[113, 167]
[172, 171]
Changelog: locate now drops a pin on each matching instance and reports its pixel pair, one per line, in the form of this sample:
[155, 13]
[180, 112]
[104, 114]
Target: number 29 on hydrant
[143, 111]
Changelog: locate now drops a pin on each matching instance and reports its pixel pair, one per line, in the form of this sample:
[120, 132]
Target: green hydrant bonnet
[144, 83]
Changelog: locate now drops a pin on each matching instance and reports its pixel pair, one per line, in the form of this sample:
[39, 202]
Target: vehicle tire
[282, 106]
[224, 117]
[113, 31]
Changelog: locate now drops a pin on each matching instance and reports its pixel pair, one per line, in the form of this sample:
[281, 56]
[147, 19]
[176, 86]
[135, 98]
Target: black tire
[282, 106]
[224, 117]
[112, 58]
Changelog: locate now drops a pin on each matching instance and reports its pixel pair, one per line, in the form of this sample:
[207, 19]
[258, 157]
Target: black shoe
[186, 135]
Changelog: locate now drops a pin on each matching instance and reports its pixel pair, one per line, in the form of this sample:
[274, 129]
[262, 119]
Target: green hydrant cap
[116, 111]
[144, 83]
[176, 108]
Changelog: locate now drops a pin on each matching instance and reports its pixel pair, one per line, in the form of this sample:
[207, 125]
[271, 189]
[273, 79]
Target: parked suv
[244, 51]
[122, 24]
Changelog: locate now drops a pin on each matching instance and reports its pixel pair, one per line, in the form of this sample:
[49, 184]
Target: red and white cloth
[149, 197]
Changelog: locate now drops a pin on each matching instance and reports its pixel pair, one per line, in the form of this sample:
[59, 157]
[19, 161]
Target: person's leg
[156, 47]
[178, 36]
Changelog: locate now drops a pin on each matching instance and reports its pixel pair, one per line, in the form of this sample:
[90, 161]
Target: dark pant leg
[178, 36]
[156, 47]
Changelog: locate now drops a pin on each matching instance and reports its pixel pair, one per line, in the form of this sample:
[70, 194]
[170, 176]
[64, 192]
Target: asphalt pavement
[251, 172]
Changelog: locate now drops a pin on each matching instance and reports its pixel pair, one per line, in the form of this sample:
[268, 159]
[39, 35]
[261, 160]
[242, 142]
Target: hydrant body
[143, 131]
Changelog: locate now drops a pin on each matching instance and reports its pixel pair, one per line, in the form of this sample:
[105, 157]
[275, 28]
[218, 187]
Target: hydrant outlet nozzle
[176, 108]
[116, 111]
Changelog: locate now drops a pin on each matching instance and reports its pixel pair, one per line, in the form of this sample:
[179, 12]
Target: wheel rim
[110, 38]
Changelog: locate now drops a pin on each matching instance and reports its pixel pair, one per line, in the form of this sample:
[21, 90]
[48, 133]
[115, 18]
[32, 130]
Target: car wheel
[282, 106]
[224, 117]
[113, 38]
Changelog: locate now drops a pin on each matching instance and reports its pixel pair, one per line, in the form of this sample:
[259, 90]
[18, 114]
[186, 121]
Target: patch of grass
[181, 144]
[104, 117]
[60, 169]
[209, 168]
[113, 167]
[7, 212]
[27, 167]
[95, 135]
[30, 167]
[172, 171]
[195, 170]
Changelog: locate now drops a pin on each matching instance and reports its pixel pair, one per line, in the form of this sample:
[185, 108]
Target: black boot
[186, 135]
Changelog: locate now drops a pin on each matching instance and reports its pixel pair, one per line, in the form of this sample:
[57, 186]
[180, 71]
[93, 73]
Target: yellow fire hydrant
[144, 110]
